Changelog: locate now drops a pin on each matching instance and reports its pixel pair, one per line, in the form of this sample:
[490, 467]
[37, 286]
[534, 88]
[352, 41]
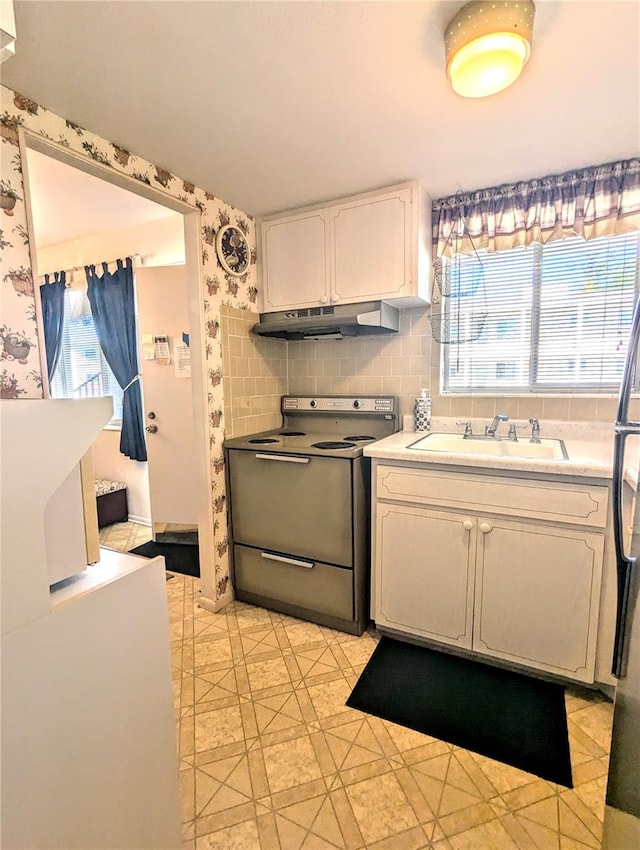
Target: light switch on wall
[148, 350]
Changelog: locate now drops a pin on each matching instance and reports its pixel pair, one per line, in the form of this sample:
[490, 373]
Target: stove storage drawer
[308, 585]
[298, 505]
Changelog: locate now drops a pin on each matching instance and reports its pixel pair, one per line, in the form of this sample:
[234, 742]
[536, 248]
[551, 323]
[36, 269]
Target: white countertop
[111, 566]
[588, 444]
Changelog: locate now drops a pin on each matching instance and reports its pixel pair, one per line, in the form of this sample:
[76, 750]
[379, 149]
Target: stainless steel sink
[457, 444]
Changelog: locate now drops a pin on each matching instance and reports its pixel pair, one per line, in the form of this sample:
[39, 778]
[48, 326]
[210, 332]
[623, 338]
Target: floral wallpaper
[20, 375]
[20, 368]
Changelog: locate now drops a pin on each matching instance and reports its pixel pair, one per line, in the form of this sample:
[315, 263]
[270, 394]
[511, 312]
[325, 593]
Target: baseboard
[141, 520]
[607, 690]
[215, 605]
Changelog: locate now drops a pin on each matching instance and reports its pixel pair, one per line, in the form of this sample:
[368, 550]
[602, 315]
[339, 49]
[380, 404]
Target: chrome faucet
[490, 430]
[513, 431]
[468, 432]
[535, 431]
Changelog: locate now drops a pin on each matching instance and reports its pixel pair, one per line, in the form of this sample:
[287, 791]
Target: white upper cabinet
[374, 246]
[295, 267]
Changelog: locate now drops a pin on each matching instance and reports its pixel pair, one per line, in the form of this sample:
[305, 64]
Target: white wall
[160, 242]
[109, 463]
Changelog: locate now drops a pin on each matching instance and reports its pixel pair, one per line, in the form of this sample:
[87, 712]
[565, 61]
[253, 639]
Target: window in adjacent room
[558, 318]
[82, 370]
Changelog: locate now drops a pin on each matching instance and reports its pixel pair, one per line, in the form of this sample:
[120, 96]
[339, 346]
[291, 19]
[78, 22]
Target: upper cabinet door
[295, 261]
[373, 247]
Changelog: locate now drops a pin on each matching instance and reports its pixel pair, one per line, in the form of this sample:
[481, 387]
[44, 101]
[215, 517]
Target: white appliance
[64, 529]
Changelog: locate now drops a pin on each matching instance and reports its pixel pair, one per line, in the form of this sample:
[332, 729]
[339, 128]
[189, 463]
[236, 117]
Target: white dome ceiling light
[487, 45]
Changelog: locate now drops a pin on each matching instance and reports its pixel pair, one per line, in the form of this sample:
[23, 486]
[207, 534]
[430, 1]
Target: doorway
[161, 232]
[162, 301]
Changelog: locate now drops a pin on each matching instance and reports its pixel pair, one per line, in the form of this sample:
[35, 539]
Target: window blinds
[558, 317]
[82, 370]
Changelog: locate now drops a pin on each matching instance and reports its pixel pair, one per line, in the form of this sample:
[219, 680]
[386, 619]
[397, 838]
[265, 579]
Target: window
[82, 371]
[543, 319]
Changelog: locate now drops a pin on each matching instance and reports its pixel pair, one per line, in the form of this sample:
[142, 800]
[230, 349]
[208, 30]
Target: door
[295, 269]
[424, 573]
[167, 399]
[537, 595]
[300, 506]
[372, 248]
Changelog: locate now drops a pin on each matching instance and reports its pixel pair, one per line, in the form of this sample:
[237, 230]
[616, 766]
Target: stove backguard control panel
[342, 404]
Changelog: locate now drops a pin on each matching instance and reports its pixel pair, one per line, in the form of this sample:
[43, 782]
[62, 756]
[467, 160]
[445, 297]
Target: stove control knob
[313, 403]
[357, 404]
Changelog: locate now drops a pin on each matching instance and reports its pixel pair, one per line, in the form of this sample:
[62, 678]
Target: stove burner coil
[330, 444]
[292, 434]
[262, 440]
[360, 437]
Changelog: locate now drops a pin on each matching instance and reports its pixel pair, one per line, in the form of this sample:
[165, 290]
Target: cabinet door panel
[424, 573]
[294, 261]
[537, 595]
[372, 248]
[555, 501]
[283, 506]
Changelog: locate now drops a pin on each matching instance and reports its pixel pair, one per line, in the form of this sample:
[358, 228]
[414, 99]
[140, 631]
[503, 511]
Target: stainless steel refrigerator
[622, 812]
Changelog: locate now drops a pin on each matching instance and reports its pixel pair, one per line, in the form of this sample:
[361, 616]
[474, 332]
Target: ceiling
[67, 204]
[273, 105]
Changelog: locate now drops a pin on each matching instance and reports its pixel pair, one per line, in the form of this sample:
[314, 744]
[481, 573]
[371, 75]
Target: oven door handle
[293, 561]
[286, 458]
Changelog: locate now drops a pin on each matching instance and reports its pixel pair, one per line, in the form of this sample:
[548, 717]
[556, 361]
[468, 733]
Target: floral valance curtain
[591, 202]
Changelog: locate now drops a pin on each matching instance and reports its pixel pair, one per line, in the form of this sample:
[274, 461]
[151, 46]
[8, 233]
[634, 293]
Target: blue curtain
[112, 301]
[52, 299]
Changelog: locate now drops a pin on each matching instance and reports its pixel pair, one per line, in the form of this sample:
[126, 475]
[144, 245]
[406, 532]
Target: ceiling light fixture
[487, 45]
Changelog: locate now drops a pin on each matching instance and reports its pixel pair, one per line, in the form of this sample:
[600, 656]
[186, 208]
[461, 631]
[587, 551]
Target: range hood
[335, 322]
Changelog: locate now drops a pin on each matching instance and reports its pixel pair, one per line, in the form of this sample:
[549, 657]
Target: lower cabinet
[426, 573]
[537, 596]
[527, 592]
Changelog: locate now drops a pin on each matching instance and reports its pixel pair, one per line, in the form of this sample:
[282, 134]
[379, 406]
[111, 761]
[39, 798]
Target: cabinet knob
[335, 297]
[467, 525]
[485, 528]
[323, 299]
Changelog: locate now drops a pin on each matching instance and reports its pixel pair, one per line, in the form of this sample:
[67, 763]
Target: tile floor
[272, 759]
[124, 536]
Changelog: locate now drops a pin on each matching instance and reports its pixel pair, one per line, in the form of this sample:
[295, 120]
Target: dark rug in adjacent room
[179, 557]
[510, 717]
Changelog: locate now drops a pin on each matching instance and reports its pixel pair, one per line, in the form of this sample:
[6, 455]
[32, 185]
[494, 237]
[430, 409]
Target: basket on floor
[111, 502]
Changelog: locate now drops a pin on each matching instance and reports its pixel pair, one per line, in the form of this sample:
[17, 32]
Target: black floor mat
[179, 557]
[510, 717]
